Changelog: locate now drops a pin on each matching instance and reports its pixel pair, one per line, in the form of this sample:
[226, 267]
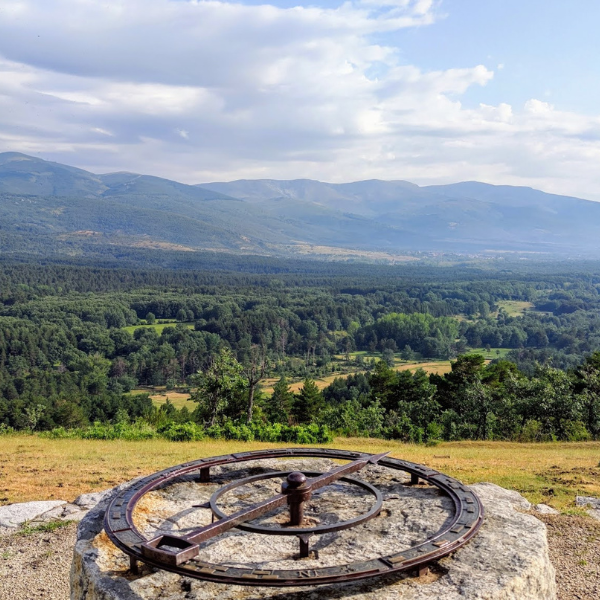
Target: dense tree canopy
[76, 340]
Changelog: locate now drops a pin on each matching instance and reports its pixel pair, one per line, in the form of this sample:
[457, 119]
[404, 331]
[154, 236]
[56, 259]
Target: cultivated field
[34, 468]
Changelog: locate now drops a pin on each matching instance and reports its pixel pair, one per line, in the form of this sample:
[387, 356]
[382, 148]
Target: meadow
[438, 366]
[35, 468]
[158, 327]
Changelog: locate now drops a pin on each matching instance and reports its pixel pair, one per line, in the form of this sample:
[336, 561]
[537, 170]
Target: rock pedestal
[507, 559]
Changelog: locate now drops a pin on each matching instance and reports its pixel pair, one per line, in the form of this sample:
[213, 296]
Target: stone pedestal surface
[508, 559]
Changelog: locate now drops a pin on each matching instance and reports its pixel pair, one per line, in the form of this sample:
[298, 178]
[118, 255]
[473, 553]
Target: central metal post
[297, 492]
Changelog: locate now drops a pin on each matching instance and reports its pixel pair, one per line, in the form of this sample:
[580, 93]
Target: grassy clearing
[158, 327]
[160, 395]
[439, 367]
[178, 399]
[490, 354]
[514, 308]
[32, 468]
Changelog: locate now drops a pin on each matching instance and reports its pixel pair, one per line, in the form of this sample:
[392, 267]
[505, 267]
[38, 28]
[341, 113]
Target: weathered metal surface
[181, 554]
[292, 530]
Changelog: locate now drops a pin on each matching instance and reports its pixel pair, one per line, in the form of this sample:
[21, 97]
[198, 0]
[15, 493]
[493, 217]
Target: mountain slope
[463, 216]
[49, 205]
[22, 174]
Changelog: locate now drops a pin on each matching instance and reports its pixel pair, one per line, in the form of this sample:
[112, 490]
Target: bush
[60, 433]
[215, 432]
[6, 430]
[140, 430]
[272, 432]
[192, 432]
[533, 431]
[434, 432]
[241, 432]
[576, 432]
[182, 432]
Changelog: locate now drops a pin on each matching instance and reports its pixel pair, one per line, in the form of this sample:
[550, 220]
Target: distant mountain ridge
[56, 206]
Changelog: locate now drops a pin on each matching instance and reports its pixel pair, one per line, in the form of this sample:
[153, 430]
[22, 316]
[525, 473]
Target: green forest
[82, 346]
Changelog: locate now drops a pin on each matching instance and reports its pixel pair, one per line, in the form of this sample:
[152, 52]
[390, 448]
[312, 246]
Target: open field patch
[158, 327]
[160, 395]
[178, 399]
[34, 468]
[514, 308]
[438, 367]
[491, 354]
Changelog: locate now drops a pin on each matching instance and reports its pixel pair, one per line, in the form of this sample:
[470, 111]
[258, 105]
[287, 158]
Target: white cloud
[204, 90]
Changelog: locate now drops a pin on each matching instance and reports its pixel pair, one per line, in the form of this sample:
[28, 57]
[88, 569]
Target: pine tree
[279, 406]
[308, 403]
[219, 386]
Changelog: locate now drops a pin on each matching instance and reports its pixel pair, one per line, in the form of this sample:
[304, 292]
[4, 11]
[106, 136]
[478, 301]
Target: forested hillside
[48, 208]
[76, 341]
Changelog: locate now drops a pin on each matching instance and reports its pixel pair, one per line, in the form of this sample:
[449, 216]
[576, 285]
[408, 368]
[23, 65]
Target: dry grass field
[34, 468]
[158, 327]
[439, 367]
[178, 399]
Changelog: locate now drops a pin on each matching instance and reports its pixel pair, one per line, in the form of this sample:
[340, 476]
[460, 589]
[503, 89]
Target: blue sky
[428, 91]
[548, 48]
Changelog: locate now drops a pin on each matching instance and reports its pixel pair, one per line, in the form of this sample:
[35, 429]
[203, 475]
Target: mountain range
[48, 207]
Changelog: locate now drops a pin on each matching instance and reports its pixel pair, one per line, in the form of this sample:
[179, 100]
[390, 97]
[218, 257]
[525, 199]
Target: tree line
[76, 340]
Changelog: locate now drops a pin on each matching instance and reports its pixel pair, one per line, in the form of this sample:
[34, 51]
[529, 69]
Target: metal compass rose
[185, 553]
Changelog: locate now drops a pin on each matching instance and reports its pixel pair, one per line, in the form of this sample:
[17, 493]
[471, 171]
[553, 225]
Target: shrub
[215, 432]
[576, 432]
[6, 430]
[60, 433]
[533, 431]
[140, 430]
[182, 432]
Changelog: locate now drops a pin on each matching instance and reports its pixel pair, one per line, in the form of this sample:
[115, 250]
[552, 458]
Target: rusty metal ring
[464, 524]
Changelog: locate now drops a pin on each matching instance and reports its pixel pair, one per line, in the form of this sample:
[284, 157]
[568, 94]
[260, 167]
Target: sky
[501, 91]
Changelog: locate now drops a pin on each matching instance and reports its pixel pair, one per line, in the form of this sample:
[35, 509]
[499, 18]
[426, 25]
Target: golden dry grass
[346, 253]
[34, 468]
[178, 399]
[438, 367]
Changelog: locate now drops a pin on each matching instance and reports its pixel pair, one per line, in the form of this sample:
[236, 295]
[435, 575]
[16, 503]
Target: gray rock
[507, 560]
[588, 501]
[593, 503]
[88, 501]
[64, 512]
[14, 515]
[594, 513]
[544, 509]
